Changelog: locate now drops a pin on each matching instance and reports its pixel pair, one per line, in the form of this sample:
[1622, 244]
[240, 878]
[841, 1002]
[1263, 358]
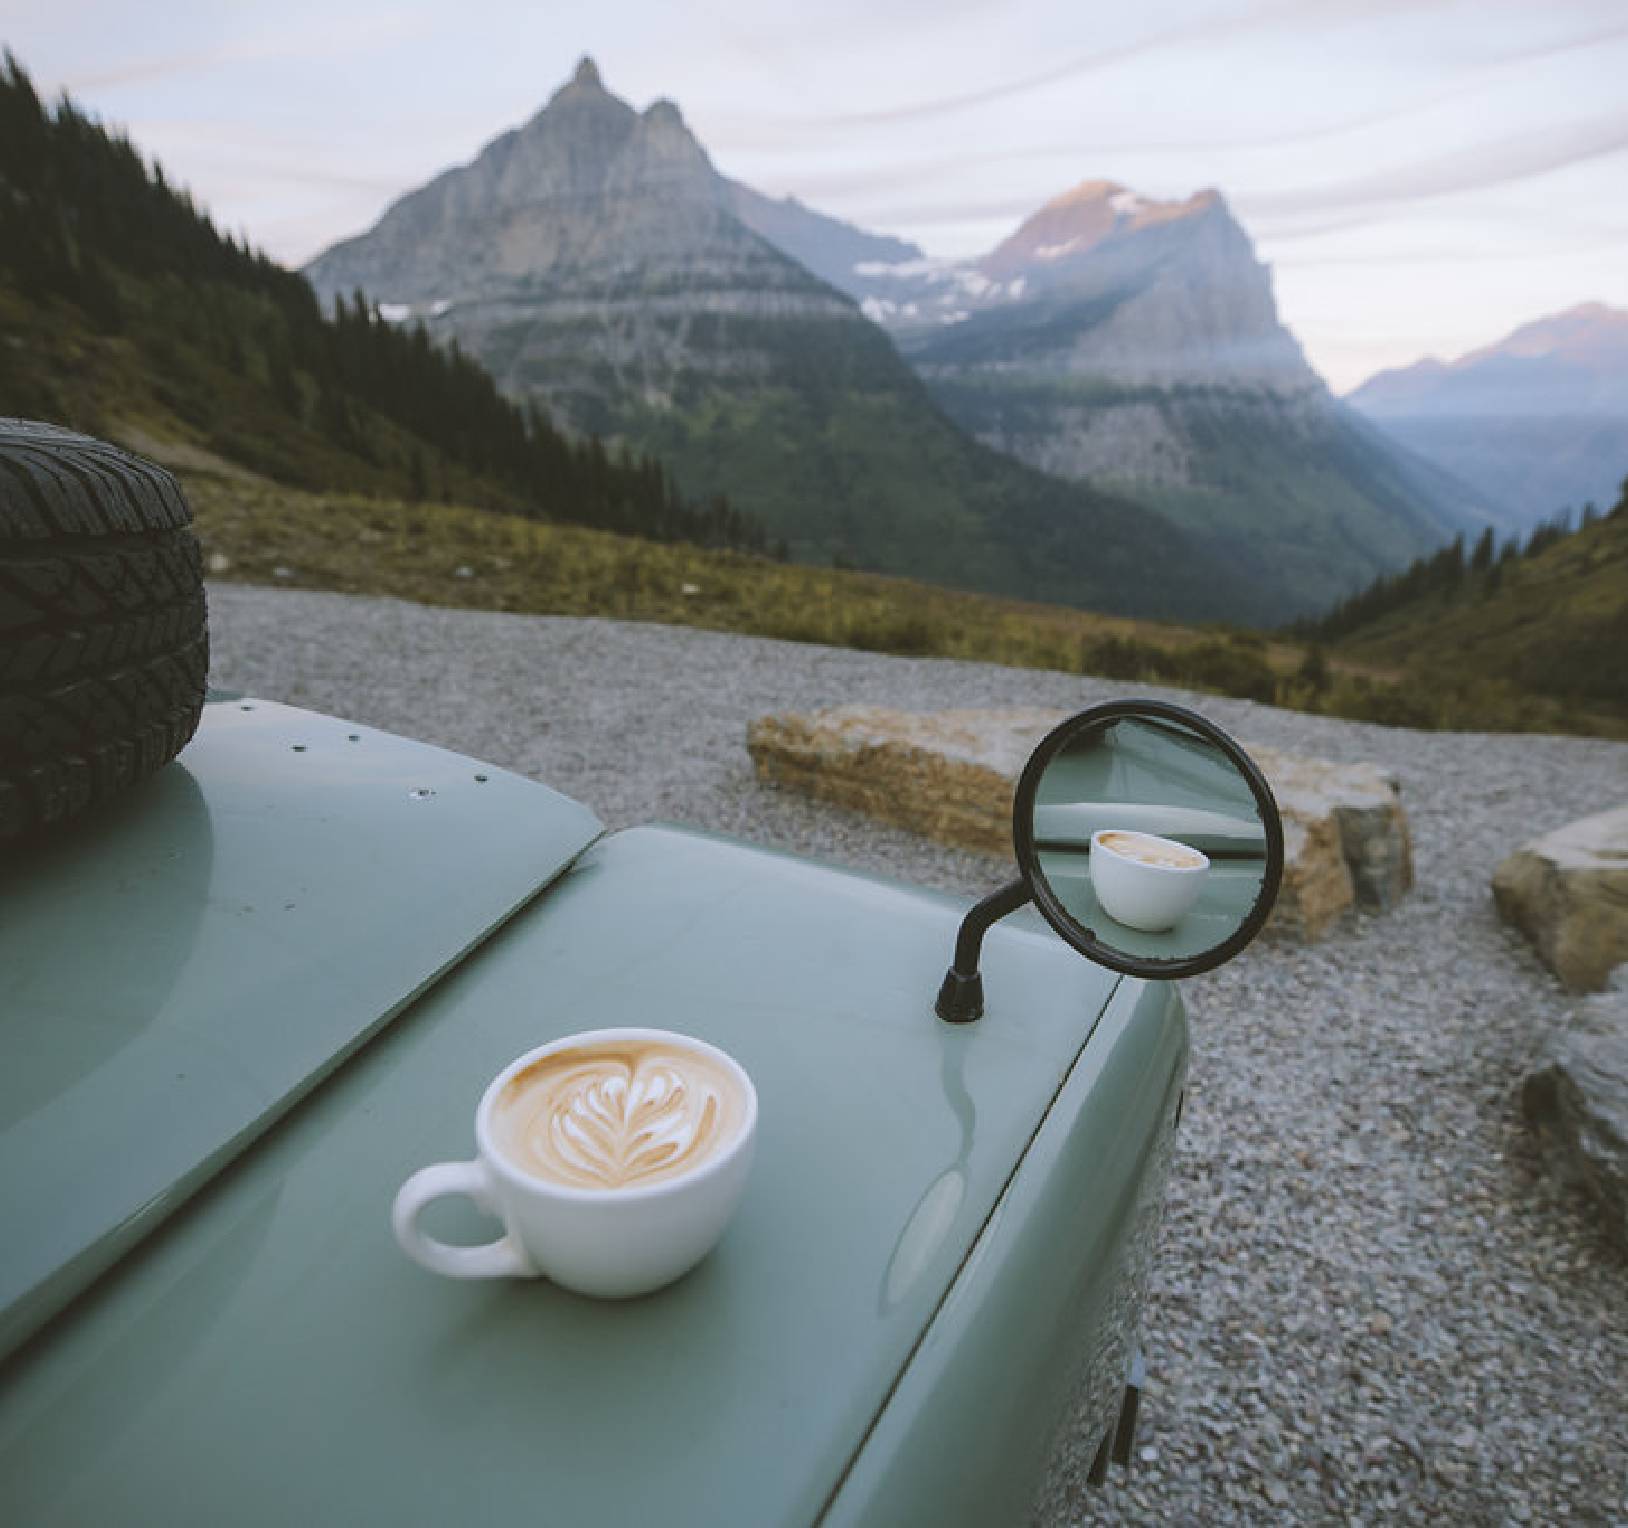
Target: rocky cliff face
[1136, 344]
[1536, 422]
[1100, 282]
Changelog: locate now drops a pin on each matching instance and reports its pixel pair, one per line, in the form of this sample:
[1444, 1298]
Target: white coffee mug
[610, 1242]
[1144, 881]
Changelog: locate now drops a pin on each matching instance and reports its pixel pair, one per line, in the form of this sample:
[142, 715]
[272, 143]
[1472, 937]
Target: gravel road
[1372, 1305]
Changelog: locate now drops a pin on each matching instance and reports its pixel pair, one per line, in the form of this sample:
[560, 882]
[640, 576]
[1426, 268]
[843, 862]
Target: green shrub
[1231, 667]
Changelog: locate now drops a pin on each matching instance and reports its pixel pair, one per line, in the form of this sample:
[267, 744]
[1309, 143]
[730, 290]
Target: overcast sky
[1422, 175]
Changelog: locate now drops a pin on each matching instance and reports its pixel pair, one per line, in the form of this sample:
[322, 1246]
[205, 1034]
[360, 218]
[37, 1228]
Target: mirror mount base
[961, 995]
[960, 998]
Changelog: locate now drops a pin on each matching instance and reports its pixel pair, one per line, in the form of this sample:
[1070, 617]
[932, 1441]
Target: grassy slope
[262, 532]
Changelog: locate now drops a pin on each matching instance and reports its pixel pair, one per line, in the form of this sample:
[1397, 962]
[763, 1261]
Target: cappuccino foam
[1153, 851]
[621, 1114]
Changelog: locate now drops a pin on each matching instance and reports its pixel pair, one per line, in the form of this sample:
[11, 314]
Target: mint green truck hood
[177, 971]
[269, 1356]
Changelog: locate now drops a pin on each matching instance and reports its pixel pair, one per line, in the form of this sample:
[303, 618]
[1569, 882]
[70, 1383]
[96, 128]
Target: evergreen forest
[1547, 615]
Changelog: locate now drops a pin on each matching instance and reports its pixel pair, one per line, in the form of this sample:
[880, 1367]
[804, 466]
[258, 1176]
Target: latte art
[618, 1115]
[1145, 849]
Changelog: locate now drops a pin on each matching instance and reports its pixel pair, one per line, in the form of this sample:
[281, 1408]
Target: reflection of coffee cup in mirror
[613, 1158]
[1144, 881]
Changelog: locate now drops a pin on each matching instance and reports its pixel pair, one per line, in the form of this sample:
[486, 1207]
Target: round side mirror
[1148, 839]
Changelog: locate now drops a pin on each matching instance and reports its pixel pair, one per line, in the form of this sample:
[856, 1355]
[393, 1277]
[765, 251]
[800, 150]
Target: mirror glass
[1148, 838]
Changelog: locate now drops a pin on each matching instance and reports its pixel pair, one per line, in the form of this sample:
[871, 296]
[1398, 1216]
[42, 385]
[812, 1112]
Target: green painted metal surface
[177, 970]
[1042, 1321]
[269, 1356]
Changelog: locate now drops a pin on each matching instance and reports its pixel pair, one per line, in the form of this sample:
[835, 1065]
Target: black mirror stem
[961, 997]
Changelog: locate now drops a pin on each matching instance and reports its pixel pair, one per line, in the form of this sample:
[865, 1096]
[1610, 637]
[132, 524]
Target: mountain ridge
[593, 260]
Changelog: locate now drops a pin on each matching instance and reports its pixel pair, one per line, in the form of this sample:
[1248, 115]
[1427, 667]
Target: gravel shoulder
[1371, 1304]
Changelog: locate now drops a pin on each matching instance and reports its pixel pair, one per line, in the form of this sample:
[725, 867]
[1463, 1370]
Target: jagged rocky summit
[595, 233]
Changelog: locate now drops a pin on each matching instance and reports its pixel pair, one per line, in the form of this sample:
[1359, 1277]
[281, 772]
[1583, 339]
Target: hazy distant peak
[1591, 330]
[587, 74]
[1536, 421]
[663, 113]
[1590, 326]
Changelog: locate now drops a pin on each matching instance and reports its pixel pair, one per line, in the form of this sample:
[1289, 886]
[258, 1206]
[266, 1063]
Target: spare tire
[104, 641]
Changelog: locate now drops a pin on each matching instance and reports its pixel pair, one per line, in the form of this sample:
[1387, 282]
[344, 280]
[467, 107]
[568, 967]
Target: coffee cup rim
[535, 1183]
[1119, 854]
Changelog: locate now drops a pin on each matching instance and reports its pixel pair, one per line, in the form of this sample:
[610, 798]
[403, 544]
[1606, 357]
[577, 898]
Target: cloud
[962, 210]
[1516, 63]
[327, 40]
[1458, 254]
[1283, 16]
[1476, 168]
[1268, 15]
[305, 175]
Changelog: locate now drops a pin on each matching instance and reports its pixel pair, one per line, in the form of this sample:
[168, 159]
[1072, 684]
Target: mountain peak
[1588, 327]
[585, 88]
[1087, 191]
[1074, 223]
[584, 101]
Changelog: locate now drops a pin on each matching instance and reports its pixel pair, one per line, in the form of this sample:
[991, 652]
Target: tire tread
[104, 645]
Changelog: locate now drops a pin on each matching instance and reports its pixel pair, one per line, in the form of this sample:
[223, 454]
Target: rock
[950, 775]
[1365, 805]
[1568, 893]
[1317, 890]
[1578, 1096]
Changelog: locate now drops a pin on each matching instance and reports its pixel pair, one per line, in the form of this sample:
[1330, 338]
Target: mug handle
[503, 1258]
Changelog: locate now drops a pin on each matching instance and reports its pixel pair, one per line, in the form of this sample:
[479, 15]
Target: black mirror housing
[1146, 837]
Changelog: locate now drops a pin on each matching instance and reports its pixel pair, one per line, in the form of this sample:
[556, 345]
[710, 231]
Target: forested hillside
[122, 305]
[1545, 618]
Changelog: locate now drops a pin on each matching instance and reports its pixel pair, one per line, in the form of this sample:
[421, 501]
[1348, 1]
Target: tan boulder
[1364, 804]
[1317, 891]
[1568, 893]
[950, 775]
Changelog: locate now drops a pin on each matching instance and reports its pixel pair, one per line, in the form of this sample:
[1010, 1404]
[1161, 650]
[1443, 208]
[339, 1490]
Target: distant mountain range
[1537, 422]
[595, 260]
